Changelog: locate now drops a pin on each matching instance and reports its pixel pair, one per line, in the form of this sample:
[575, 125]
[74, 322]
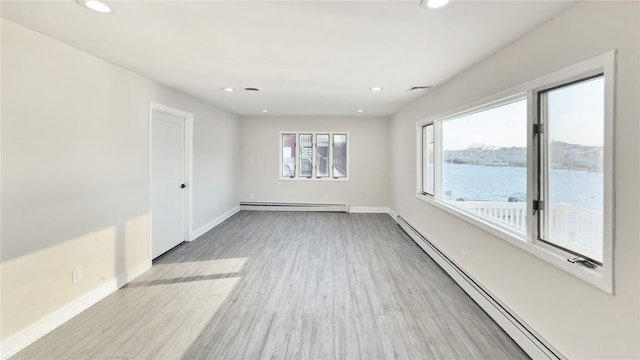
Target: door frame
[188, 163]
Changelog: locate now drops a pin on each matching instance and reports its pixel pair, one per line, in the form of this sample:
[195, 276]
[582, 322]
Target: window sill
[313, 179]
[597, 277]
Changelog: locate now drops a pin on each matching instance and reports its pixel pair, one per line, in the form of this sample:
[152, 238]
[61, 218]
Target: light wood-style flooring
[290, 285]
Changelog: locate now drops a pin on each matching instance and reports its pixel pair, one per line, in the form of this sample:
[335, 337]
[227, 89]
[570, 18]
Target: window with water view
[573, 126]
[534, 166]
[484, 159]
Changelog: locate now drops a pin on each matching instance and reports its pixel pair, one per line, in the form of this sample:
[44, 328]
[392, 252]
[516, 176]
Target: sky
[576, 116]
[504, 126]
[576, 113]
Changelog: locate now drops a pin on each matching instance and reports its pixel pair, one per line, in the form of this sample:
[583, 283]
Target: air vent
[420, 88]
[251, 89]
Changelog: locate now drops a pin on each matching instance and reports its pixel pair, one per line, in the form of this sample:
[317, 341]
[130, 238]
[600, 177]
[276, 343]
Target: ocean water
[497, 183]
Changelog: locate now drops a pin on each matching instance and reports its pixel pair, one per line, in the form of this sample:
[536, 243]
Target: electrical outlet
[251, 196]
[76, 275]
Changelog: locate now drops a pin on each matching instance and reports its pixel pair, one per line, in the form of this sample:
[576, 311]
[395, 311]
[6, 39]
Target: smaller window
[289, 155]
[306, 155]
[322, 155]
[339, 155]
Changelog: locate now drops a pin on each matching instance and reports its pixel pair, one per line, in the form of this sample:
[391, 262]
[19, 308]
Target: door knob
[183, 186]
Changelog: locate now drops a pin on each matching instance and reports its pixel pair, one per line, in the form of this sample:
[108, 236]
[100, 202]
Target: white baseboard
[369, 210]
[531, 342]
[14, 343]
[393, 215]
[213, 223]
[315, 207]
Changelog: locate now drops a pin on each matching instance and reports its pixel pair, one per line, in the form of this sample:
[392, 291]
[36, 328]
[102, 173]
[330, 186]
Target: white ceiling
[308, 57]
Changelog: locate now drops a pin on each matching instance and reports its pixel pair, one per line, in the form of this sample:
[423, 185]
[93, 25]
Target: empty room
[410, 179]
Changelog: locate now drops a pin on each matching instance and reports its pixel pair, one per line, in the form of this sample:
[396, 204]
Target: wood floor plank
[347, 345]
[286, 285]
[300, 339]
[415, 342]
[391, 338]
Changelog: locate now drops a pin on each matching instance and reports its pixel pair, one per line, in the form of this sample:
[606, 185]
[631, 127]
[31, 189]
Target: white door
[168, 188]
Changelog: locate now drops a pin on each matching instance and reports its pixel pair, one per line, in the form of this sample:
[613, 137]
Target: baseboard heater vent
[267, 206]
[532, 343]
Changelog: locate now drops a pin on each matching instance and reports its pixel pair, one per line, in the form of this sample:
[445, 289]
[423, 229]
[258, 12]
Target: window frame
[601, 276]
[295, 155]
[542, 178]
[314, 177]
[329, 155]
[299, 153]
[423, 152]
[332, 165]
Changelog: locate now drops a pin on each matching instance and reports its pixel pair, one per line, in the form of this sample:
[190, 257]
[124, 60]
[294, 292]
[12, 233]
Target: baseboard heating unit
[532, 343]
[268, 206]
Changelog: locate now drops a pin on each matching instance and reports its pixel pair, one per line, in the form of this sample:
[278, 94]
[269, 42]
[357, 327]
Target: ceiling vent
[420, 88]
[251, 89]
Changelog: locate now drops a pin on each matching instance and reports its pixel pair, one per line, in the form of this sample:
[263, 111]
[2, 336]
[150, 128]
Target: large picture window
[314, 155]
[484, 163]
[533, 165]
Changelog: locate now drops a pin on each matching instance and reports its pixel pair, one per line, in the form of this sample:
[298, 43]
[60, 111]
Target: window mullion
[437, 161]
[533, 159]
[314, 151]
[296, 161]
[423, 162]
[542, 166]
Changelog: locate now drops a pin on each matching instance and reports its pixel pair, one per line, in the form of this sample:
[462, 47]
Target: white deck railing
[572, 227]
[578, 229]
[513, 214]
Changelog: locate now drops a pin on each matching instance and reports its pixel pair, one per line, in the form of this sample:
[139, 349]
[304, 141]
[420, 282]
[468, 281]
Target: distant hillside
[563, 156]
[489, 156]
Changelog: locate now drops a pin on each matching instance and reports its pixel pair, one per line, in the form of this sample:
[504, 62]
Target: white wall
[580, 320]
[75, 172]
[368, 184]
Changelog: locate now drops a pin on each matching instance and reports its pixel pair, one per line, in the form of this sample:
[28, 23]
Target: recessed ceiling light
[360, 110]
[96, 5]
[376, 88]
[227, 89]
[433, 4]
[265, 110]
